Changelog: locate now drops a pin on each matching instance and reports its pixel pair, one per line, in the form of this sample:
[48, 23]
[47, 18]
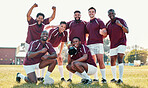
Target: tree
[136, 54]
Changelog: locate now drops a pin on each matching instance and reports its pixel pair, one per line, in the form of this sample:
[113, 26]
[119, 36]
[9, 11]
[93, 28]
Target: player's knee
[68, 67]
[76, 64]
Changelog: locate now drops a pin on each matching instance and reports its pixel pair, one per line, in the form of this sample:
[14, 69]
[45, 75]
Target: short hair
[92, 8]
[77, 38]
[77, 11]
[111, 10]
[62, 22]
[40, 14]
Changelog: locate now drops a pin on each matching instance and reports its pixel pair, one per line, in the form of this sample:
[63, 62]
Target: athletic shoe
[95, 80]
[62, 79]
[39, 79]
[113, 80]
[88, 81]
[42, 78]
[103, 81]
[18, 79]
[69, 80]
[83, 80]
[119, 81]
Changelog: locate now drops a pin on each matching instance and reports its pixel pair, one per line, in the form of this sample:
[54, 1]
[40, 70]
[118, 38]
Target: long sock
[42, 72]
[96, 75]
[21, 76]
[84, 74]
[38, 72]
[79, 74]
[70, 75]
[61, 71]
[113, 68]
[103, 73]
[47, 74]
[121, 67]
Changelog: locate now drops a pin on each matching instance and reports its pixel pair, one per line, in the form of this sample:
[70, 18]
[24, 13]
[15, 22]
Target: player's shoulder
[119, 19]
[35, 42]
[84, 22]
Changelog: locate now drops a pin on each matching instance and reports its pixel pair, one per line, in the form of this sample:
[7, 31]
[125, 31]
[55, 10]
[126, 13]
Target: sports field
[134, 77]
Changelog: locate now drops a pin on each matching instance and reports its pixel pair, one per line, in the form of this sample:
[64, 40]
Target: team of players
[42, 46]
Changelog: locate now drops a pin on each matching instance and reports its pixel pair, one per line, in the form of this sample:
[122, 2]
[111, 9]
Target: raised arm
[30, 11]
[53, 14]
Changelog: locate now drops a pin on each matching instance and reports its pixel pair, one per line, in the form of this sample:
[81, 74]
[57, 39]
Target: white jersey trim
[33, 24]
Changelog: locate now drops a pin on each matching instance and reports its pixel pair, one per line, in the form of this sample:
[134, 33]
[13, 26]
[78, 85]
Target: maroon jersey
[34, 47]
[81, 50]
[116, 33]
[93, 28]
[34, 31]
[55, 37]
[77, 29]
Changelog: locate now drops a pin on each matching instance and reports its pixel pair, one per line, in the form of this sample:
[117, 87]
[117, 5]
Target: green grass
[134, 77]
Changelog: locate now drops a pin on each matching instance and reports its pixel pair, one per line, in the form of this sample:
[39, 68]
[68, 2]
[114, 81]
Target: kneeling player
[37, 58]
[81, 62]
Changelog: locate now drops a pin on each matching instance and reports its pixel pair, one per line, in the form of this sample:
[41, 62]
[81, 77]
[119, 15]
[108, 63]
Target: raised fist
[54, 8]
[35, 5]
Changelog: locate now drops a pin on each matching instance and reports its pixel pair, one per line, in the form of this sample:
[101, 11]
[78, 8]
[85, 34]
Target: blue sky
[14, 24]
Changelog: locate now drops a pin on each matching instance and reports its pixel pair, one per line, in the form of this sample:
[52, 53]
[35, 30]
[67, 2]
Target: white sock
[38, 72]
[21, 76]
[84, 74]
[79, 74]
[61, 71]
[47, 74]
[121, 67]
[42, 72]
[113, 68]
[70, 75]
[96, 75]
[103, 73]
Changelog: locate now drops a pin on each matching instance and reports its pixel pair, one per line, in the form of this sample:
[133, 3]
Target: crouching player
[37, 58]
[80, 61]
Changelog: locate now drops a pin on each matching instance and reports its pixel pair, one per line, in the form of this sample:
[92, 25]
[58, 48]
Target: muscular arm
[33, 54]
[83, 58]
[53, 14]
[30, 11]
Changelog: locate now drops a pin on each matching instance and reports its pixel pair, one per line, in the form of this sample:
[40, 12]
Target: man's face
[44, 35]
[111, 14]
[62, 28]
[39, 19]
[77, 16]
[76, 42]
[91, 13]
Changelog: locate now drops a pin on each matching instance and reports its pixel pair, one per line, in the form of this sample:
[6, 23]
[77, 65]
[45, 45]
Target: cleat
[113, 81]
[119, 81]
[69, 80]
[62, 79]
[18, 79]
[41, 79]
[88, 81]
[103, 81]
[95, 80]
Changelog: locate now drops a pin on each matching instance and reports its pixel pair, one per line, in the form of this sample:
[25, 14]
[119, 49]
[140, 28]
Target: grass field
[134, 77]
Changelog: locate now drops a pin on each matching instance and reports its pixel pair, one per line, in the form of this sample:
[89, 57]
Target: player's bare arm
[125, 29]
[33, 54]
[30, 11]
[103, 32]
[53, 14]
[52, 56]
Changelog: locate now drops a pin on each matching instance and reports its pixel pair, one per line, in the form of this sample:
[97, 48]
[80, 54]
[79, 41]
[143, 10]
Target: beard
[77, 20]
[43, 39]
[39, 24]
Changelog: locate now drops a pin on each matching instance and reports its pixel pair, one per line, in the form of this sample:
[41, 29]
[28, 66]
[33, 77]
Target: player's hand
[43, 50]
[103, 32]
[118, 23]
[44, 57]
[53, 8]
[35, 5]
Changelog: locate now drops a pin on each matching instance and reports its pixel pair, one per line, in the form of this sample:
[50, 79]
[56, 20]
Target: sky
[14, 24]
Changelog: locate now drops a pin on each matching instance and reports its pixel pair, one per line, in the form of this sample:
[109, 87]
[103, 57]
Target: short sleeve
[65, 37]
[124, 23]
[32, 21]
[32, 46]
[67, 25]
[46, 21]
[101, 24]
[85, 49]
[50, 48]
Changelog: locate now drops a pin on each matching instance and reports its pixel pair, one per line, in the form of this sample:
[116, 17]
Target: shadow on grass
[126, 86]
[93, 85]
